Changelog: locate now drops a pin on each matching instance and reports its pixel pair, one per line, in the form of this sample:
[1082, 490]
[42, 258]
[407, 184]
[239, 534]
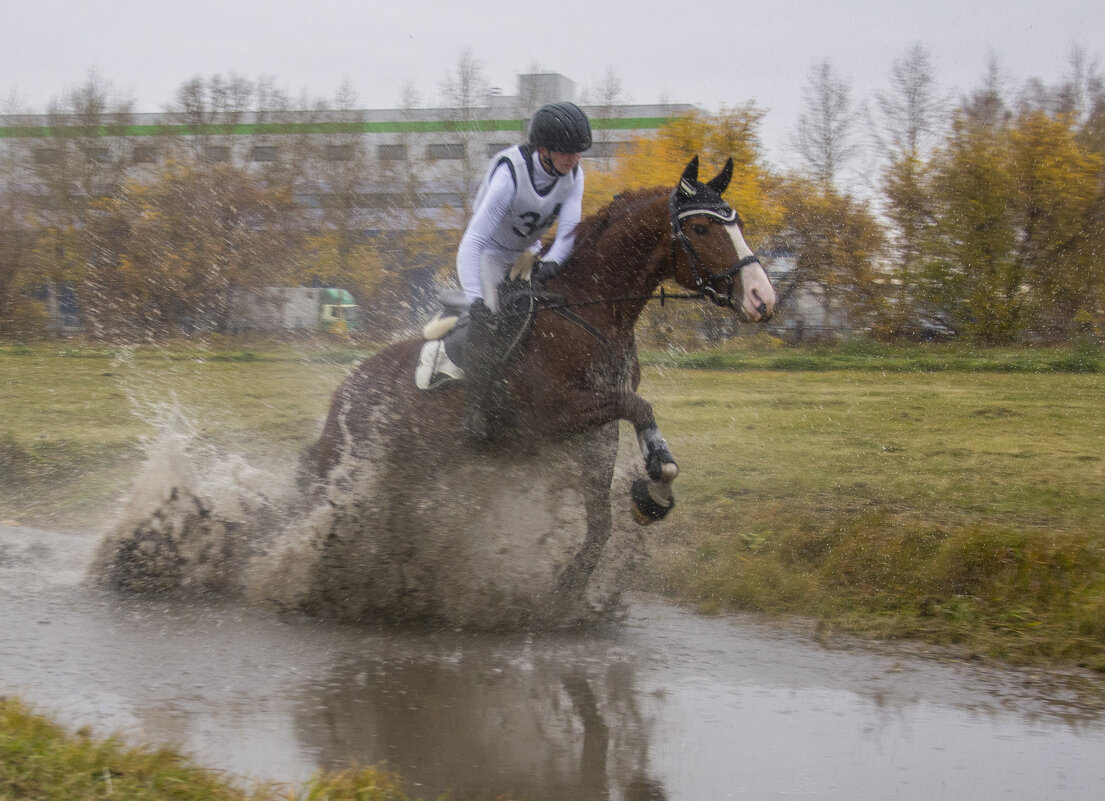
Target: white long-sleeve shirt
[517, 203]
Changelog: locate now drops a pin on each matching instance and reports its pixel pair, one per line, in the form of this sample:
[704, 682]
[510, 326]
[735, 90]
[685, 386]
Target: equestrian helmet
[562, 127]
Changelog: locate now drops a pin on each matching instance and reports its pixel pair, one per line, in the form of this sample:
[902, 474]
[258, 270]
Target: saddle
[441, 359]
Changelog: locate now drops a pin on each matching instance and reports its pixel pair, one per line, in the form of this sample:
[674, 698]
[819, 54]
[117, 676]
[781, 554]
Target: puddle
[665, 705]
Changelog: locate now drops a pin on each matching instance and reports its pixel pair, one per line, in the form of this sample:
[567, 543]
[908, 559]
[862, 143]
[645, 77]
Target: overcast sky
[707, 52]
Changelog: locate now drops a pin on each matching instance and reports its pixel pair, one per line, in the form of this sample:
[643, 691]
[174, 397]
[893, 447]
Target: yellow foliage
[659, 160]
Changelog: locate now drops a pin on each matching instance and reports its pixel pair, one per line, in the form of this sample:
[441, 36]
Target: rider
[526, 190]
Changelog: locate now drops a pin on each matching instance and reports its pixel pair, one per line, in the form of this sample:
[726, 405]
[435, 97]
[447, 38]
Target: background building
[395, 184]
[391, 167]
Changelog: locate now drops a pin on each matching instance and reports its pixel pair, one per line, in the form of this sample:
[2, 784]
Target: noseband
[681, 208]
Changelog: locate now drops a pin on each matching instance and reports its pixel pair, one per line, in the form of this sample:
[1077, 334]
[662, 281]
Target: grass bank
[956, 507]
[43, 761]
[939, 493]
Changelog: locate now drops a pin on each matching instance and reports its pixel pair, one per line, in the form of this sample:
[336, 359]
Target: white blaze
[756, 287]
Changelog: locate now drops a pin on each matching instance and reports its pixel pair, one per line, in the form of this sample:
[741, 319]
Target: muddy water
[665, 705]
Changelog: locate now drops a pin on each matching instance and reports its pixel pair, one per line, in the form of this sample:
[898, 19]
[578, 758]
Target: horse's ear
[689, 179]
[722, 180]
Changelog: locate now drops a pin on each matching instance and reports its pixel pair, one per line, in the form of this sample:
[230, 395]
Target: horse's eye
[700, 229]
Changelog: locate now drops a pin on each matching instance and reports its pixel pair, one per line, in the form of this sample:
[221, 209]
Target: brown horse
[575, 372]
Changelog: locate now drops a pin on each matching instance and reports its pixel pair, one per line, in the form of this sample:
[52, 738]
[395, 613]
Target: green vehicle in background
[274, 309]
[339, 312]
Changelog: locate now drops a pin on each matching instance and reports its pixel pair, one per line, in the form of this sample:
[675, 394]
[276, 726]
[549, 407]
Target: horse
[572, 377]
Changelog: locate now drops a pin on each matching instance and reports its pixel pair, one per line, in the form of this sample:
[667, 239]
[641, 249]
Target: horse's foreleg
[596, 457]
[653, 499]
[659, 463]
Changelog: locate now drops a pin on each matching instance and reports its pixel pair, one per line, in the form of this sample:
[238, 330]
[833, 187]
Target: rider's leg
[484, 349]
[483, 354]
[493, 269]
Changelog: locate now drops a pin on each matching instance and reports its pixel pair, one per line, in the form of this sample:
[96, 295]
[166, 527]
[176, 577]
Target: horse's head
[710, 235]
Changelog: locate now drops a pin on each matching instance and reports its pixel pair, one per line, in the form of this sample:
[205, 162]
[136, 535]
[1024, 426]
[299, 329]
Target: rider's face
[563, 163]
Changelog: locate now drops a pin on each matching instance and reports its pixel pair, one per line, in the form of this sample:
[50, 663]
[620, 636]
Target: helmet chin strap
[546, 162]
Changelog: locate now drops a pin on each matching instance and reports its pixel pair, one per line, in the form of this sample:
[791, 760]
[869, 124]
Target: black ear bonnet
[692, 197]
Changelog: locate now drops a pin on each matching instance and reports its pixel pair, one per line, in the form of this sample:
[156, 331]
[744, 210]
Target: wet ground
[666, 705]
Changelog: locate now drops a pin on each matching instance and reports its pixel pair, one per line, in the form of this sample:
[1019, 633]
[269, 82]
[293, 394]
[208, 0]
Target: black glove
[544, 270]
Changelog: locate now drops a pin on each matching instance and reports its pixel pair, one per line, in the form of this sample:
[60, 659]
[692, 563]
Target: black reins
[678, 211]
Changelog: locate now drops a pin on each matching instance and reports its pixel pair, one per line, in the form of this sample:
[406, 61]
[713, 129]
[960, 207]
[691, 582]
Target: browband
[718, 212]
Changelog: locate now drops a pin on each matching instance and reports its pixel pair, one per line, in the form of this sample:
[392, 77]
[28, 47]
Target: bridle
[680, 208]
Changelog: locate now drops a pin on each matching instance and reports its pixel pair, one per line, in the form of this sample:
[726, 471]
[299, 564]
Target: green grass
[74, 419]
[764, 353]
[42, 761]
[940, 493]
[957, 507]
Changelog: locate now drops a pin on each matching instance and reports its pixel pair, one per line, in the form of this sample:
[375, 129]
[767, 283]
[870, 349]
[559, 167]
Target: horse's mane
[591, 228]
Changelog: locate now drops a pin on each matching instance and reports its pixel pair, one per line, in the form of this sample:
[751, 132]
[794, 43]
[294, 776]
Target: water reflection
[480, 718]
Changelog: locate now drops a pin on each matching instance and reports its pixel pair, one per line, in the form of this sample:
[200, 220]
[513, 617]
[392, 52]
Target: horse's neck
[626, 265]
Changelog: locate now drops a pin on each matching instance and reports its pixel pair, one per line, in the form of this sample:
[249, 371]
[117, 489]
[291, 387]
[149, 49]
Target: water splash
[481, 544]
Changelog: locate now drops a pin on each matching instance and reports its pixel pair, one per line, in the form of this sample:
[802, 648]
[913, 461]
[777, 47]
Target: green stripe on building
[301, 128]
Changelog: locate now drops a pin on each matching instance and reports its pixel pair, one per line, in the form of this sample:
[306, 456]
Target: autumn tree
[836, 244]
[284, 159]
[1058, 217]
[910, 118]
[1019, 219]
[825, 138]
[1092, 127]
[972, 275]
[659, 161]
[19, 313]
[166, 257]
[204, 112]
[80, 162]
[604, 98]
[418, 219]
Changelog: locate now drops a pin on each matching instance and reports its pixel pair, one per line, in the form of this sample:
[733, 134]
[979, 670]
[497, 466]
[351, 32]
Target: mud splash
[482, 544]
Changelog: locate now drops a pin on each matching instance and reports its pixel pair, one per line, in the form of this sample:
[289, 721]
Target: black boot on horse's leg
[483, 355]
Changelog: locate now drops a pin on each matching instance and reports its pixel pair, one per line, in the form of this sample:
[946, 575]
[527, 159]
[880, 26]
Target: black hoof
[647, 510]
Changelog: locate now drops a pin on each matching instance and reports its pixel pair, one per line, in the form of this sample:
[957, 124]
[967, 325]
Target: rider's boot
[482, 368]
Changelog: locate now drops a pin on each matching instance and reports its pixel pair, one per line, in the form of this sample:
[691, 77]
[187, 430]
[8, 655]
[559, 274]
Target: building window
[496, 147]
[143, 154]
[339, 152]
[606, 150]
[449, 151]
[263, 153]
[47, 155]
[396, 200]
[371, 200]
[216, 153]
[391, 152]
